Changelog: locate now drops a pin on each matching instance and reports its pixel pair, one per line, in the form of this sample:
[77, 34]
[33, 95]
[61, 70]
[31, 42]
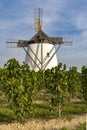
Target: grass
[6, 115]
[41, 109]
[74, 108]
[79, 127]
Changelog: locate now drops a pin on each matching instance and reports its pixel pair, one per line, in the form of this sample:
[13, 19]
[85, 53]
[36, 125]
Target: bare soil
[53, 124]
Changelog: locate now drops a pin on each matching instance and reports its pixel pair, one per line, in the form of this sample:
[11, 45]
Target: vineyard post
[59, 109]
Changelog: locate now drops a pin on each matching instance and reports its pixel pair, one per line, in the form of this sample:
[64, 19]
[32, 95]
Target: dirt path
[53, 124]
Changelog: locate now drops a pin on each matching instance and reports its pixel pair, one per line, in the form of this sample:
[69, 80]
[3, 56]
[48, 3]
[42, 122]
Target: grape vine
[20, 86]
[84, 82]
[56, 82]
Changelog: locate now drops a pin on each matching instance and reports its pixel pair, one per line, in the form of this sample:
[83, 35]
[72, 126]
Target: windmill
[40, 49]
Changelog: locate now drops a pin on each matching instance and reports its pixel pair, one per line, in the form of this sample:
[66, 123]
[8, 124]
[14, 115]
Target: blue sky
[65, 18]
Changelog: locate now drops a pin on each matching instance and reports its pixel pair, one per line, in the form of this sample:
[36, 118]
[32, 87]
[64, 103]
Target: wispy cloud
[60, 18]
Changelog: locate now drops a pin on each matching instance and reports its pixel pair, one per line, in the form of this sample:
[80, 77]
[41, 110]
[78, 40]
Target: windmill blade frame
[40, 49]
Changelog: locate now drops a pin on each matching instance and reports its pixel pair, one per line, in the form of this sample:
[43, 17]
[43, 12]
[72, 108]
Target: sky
[65, 18]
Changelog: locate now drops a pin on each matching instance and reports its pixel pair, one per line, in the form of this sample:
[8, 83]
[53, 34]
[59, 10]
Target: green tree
[19, 86]
[74, 82]
[56, 82]
[40, 79]
[84, 82]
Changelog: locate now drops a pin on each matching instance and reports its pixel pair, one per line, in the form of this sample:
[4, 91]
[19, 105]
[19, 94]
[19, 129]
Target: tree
[19, 85]
[84, 82]
[74, 82]
[56, 82]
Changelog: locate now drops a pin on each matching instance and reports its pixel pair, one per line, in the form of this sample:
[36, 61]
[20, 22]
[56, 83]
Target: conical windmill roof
[39, 37]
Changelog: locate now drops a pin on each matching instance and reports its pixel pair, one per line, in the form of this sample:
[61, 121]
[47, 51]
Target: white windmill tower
[41, 49]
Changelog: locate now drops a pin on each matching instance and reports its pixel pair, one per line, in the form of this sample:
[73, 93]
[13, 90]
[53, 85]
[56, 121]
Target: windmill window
[39, 40]
[38, 37]
[48, 54]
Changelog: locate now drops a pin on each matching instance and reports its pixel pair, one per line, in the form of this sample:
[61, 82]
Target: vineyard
[55, 93]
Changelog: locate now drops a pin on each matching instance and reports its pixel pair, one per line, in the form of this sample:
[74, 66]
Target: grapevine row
[20, 86]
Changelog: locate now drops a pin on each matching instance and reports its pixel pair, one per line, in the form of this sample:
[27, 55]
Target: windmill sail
[38, 19]
[41, 49]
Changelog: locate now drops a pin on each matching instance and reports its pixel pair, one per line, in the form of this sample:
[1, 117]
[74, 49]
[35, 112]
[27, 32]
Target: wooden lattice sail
[41, 49]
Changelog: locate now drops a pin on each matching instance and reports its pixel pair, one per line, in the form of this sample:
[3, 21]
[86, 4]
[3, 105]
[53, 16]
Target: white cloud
[80, 20]
[65, 16]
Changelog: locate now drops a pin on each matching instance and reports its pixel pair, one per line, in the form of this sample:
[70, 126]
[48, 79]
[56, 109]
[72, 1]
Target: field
[54, 99]
[73, 115]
